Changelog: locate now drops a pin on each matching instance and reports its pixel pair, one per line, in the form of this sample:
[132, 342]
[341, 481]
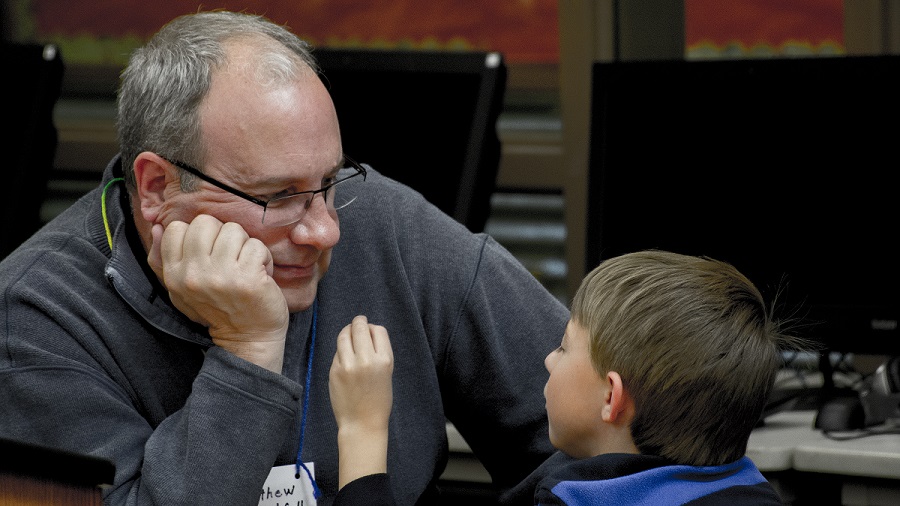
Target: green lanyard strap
[103, 210]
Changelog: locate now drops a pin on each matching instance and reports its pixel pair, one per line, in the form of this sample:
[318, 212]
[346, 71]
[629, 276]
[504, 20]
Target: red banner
[524, 30]
[770, 24]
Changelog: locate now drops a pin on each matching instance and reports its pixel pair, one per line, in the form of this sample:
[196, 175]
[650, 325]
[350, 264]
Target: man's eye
[328, 181]
[281, 194]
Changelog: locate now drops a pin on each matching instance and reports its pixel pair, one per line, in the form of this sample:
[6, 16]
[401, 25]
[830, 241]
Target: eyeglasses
[286, 209]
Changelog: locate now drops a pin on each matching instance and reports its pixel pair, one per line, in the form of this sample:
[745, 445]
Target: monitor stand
[809, 398]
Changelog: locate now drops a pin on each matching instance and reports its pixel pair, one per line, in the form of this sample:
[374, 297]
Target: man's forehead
[281, 173]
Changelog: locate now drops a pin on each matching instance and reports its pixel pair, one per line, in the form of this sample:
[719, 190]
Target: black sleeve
[371, 490]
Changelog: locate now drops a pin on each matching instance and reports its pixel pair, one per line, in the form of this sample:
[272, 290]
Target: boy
[663, 371]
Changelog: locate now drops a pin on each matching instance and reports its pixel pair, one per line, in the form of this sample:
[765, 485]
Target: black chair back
[31, 86]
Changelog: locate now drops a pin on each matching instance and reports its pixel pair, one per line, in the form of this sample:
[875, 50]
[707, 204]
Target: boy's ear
[618, 407]
[150, 174]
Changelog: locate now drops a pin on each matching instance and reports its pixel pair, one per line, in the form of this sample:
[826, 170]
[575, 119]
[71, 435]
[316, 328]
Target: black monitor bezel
[630, 88]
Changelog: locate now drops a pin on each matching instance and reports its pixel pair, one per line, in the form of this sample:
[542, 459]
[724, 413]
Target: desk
[771, 447]
[795, 457]
[463, 466]
[34, 475]
[802, 464]
[871, 456]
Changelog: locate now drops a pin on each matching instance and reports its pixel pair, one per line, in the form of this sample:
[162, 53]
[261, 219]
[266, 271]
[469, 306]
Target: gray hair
[166, 80]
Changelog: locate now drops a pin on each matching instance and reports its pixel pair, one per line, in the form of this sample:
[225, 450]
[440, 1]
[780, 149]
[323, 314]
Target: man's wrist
[266, 354]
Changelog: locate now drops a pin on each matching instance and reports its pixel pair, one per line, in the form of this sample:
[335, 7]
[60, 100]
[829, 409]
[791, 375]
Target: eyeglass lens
[291, 209]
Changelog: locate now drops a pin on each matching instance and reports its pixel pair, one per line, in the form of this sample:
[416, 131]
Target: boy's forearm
[361, 452]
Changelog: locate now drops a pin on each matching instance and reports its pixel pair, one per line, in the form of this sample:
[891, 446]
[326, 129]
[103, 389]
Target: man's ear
[618, 407]
[151, 173]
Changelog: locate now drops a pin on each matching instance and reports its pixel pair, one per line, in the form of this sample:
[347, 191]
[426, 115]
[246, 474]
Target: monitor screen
[781, 167]
[425, 118]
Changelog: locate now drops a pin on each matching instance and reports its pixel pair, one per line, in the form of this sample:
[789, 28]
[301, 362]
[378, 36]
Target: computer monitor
[782, 167]
[425, 118]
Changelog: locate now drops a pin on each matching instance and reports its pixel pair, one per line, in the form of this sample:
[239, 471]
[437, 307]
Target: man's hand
[361, 398]
[219, 276]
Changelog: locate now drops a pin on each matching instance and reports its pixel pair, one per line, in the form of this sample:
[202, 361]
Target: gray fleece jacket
[94, 359]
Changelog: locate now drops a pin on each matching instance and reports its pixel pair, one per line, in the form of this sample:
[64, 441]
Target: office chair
[425, 118]
[31, 86]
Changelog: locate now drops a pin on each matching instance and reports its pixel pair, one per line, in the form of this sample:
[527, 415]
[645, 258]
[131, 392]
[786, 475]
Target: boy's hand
[361, 398]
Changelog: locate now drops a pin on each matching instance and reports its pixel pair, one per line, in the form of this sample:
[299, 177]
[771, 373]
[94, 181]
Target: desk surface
[55, 465]
[788, 441]
[771, 447]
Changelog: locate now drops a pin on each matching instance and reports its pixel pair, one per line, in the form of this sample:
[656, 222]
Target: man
[178, 320]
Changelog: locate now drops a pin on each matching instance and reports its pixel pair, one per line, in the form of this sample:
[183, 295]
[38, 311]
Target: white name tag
[284, 487]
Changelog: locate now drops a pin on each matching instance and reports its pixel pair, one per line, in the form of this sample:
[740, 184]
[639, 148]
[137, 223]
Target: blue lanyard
[309, 365]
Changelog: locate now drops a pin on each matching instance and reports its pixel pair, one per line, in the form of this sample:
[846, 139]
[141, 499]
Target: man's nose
[319, 226]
